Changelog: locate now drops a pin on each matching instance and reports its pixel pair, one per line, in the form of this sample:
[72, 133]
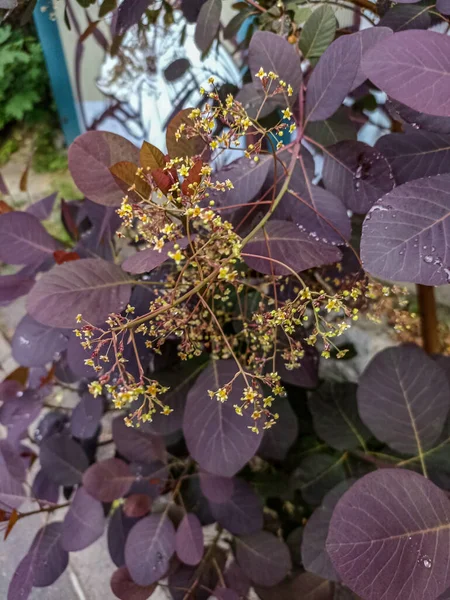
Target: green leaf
[106, 7]
[235, 24]
[335, 129]
[318, 32]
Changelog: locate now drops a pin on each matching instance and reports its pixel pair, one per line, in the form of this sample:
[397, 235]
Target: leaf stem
[428, 319]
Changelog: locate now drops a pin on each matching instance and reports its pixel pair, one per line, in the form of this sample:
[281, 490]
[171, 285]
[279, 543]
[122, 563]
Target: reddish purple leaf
[333, 77]
[405, 233]
[148, 259]
[23, 240]
[281, 247]
[91, 286]
[404, 399]
[123, 586]
[217, 438]
[86, 416]
[357, 174]
[278, 439]
[42, 209]
[137, 505]
[217, 489]
[34, 344]
[236, 579]
[137, 445]
[443, 6]
[414, 68]
[367, 39]
[416, 120]
[416, 154]
[14, 286]
[242, 513]
[208, 22]
[44, 490]
[264, 558]
[63, 460]
[189, 540]
[108, 479]
[90, 157]
[149, 548]
[389, 536]
[84, 522]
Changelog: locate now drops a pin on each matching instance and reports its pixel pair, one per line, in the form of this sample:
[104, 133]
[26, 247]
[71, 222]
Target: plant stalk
[428, 319]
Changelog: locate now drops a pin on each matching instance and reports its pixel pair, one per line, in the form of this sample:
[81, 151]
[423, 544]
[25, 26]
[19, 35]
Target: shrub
[198, 303]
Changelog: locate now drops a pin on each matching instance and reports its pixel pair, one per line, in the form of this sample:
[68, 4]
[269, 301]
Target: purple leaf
[315, 558]
[225, 594]
[414, 68]
[177, 69]
[44, 490]
[335, 129]
[42, 565]
[14, 286]
[86, 416]
[108, 479]
[242, 513]
[367, 39]
[137, 505]
[23, 240]
[389, 536]
[90, 286]
[332, 78]
[42, 209]
[52, 423]
[407, 16]
[415, 155]
[34, 344]
[136, 445]
[217, 438]
[123, 586]
[84, 522]
[189, 540]
[10, 459]
[306, 586]
[76, 355]
[357, 174]
[281, 247]
[264, 558]
[306, 375]
[208, 23]
[278, 439]
[18, 413]
[443, 6]
[335, 416]
[317, 475]
[118, 529]
[148, 259]
[63, 460]
[236, 579]
[416, 120]
[128, 14]
[215, 488]
[149, 548]
[90, 157]
[405, 233]
[251, 96]
[12, 492]
[273, 53]
[404, 399]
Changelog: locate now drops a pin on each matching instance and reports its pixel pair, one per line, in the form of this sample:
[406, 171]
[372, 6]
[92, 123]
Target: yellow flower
[79, 318]
[287, 114]
[261, 73]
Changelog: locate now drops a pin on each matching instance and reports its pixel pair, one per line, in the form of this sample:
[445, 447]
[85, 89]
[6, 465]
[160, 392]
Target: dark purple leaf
[63, 460]
[108, 480]
[136, 445]
[305, 586]
[123, 586]
[14, 286]
[217, 489]
[367, 39]
[84, 522]
[42, 565]
[149, 548]
[404, 235]
[34, 344]
[264, 558]
[53, 422]
[18, 413]
[236, 579]
[189, 540]
[278, 439]
[404, 399]
[443, 6]
[357, 174]
[217, 438]
[11, 460]
[44, 490]
[335, 416]
[335, 129]
[414, 68]
[92, 287]
[12, 492]
[86, 416]
[23, 240]
[251, 96]
[281, 247]
[93, 152]
[242, 513]
[306, 375]
[225, 594]
[389, 536]
[177, 69]
[191, 9]
[333, 77]
[273, 53]
[10, 389]
[416, 154]
[314, 555]
[407, 16]
[42, 209]
[416, 120]
[148, 259]
[150, 478]
[76, 355]
[208, 22]
[317, 475]
[118, 529]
